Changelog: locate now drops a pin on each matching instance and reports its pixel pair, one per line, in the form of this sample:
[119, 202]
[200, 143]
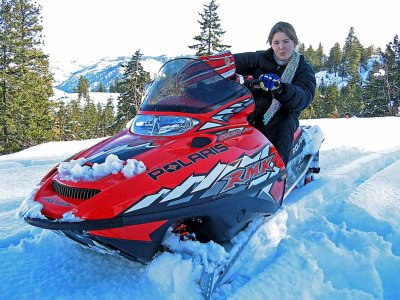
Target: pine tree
[100, 88]
[352, 51]
[301, 48]
[366, 54]
[61, 119]
[332, 98]
[82, 88]
[391, 63]
[99, 130]
[133, 82]
[311, 57]
[108, 118]
[375, 93]
[89, 120]
[209, 40]
[116, 86]
[335, 58]
[310, 113]
[350, 101]
[25, 82]
[320, 58]
[73, 126]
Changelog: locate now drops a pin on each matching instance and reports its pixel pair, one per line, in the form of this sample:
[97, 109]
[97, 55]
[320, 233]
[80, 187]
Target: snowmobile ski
[212, 279]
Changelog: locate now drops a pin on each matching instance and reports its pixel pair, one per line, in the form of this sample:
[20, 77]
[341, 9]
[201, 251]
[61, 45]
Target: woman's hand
[270, 82]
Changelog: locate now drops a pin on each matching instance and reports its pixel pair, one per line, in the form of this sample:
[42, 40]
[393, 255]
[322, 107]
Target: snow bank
[336, 238]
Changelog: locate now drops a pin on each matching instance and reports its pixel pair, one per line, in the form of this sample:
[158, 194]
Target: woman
[286, 77]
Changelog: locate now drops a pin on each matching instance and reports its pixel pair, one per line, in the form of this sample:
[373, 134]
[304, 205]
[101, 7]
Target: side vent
[72, 192]
[200, 142]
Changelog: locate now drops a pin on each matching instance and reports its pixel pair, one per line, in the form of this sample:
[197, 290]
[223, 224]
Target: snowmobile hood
[124, 145]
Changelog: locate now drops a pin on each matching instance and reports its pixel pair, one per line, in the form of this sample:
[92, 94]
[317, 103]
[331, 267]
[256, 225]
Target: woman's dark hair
[285, 28]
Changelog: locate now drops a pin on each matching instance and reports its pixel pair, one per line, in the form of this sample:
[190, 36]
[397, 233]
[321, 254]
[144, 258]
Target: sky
[335, 238]
[93, 29]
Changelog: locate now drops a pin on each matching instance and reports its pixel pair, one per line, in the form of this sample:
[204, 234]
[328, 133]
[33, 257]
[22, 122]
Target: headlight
[162, 125]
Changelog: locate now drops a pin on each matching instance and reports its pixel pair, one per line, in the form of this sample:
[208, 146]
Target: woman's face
[282, 45]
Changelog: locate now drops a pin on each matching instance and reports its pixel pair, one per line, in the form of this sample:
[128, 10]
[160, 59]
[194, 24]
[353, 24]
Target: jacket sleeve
[299, 94]
[245, 63]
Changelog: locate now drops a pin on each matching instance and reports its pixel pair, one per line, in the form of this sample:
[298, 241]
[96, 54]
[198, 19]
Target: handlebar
[252, 83]
[255, 83]
[275, 104]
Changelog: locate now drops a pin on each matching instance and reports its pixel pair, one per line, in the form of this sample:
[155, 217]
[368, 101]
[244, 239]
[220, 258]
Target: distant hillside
[327, 78]
[105, 71]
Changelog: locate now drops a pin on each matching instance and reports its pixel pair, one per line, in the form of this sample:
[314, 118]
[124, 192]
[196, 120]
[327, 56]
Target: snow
[96, 97]
[106, 70]
[77, 170]
[336, 238]
[329, 78]
[62, 70]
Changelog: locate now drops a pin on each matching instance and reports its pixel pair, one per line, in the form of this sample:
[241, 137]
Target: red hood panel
[125, 146]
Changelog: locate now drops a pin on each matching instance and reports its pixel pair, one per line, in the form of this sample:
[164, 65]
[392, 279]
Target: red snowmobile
[208, 173]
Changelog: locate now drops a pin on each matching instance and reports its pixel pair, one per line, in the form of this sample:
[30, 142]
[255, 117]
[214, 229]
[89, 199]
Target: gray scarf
[287, 77]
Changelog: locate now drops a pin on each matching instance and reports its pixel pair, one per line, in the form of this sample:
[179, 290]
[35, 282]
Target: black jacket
[294, 97]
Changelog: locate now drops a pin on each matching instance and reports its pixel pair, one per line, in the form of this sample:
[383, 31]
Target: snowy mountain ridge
[104, 71]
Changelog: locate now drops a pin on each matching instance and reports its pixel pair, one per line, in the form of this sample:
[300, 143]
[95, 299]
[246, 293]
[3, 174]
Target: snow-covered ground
[336, 238]
[101, 98]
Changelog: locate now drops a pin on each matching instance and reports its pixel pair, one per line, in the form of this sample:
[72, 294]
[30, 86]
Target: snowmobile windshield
[190, 86]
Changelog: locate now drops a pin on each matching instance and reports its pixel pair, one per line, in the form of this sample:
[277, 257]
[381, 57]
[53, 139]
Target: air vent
[72, 192]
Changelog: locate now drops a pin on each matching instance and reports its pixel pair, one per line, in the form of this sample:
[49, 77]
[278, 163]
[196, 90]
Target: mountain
[104, 71]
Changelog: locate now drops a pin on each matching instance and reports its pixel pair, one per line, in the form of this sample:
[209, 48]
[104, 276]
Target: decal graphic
[209, 125]
[58, 202]
[224, 135]
[297, 145]
[123, 152]
[190, 159]
[228, 112]
[223, 179]
[248, 173]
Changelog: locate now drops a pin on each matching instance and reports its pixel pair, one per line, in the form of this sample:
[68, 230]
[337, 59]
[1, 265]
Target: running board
[307, 164]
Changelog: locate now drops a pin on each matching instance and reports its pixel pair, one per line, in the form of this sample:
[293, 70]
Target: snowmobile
[207, 172]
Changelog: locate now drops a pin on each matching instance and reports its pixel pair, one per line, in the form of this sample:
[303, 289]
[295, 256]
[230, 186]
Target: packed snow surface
[336, 238]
